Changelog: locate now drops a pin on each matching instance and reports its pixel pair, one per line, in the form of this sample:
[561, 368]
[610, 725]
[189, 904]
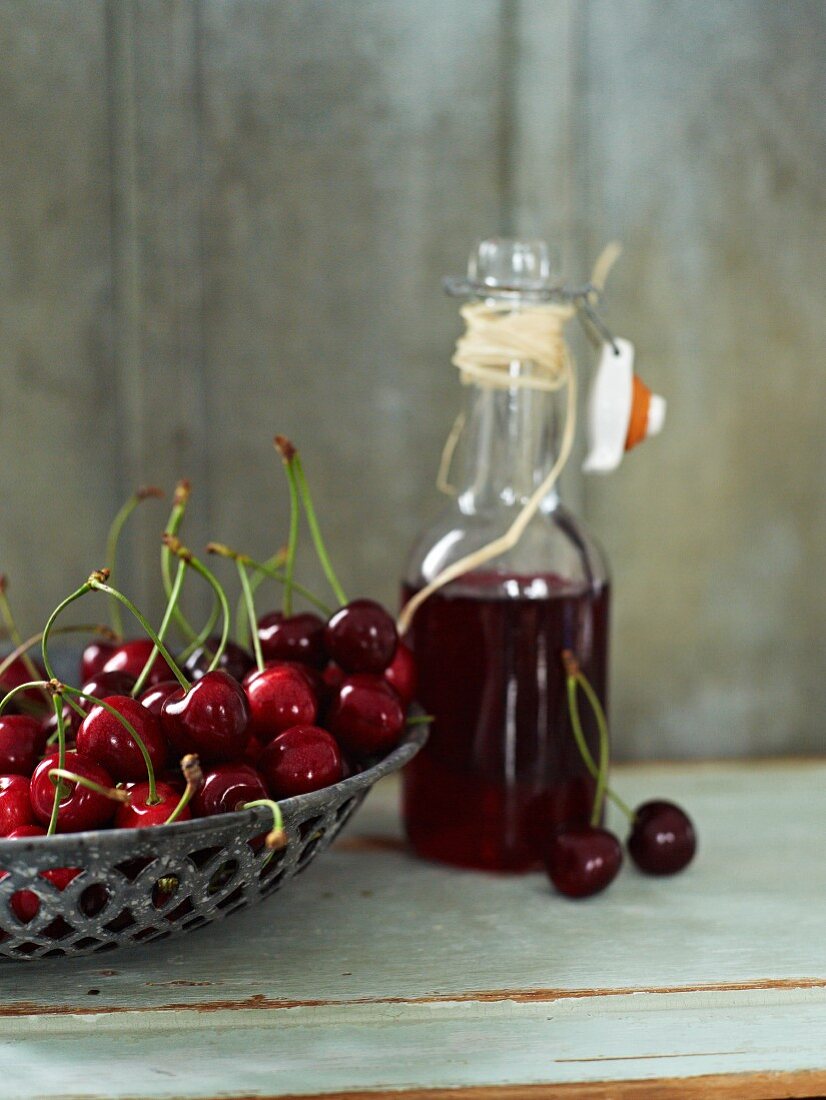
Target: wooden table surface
[375, 972]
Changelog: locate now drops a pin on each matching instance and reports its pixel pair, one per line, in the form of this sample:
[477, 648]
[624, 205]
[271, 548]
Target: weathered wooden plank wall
[225, 218]
[705, 148]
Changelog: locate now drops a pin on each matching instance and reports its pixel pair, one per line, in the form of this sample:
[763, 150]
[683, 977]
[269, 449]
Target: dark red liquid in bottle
[501, 768]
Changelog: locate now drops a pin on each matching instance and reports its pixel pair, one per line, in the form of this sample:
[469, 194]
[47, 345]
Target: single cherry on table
[662, 840]
[582, 860]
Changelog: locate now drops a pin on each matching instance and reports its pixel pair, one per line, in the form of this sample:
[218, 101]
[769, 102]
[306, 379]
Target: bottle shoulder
[556, 545]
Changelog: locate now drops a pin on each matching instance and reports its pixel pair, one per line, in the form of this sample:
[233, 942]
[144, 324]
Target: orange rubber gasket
[640, 404]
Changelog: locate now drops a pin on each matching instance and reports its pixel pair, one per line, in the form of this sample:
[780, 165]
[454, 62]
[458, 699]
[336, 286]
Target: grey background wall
[224, 218]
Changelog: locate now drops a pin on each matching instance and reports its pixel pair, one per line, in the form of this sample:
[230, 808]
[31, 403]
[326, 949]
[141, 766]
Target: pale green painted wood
[310, 1051]
[369, 933]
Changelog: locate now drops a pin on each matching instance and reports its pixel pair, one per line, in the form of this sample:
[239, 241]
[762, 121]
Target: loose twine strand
[495, 337]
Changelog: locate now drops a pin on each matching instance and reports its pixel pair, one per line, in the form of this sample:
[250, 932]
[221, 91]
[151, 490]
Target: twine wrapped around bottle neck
[496, 336]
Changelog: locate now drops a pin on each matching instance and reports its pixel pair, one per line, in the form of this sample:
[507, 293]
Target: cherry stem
[292, 539]
[191, 767]
[57, 702]
[203, 634]
[30, 643]
[249, 601]
[130, 729]
[575, 678]
[242, 624]
[315, 532]
[113, 538]
[7, 698]
[77, 708]
[117, 794]
[276, 575]
[277, 837]
[172, 603]
[14, 633]
[421, 720]
[101, 586]
[100, 574]
[180, 500]
[187, 556]
[295, 471]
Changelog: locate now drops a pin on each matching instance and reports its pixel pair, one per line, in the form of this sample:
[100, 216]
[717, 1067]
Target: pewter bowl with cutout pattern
[144, 885]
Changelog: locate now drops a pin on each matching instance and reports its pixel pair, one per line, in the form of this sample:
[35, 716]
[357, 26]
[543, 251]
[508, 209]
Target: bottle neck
[511, 441]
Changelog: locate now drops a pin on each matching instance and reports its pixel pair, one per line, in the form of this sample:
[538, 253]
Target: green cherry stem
[246, 594]
[292, 538]
[189, 558]
[76, 707]
[149, 492]
[130, 729]
[276, 575]
[180, 500]
[172, 603]
[117, 794]
[203, 634]
[242, 624]
[277, 837]
[86, 628]
[101, 586]
[191, 767]
[604, 750]
[100, 575]
[249, 601]
[574, 679]
[11, 627]
[7, 698]
[421, 720]
[295, 470]
[57, 702]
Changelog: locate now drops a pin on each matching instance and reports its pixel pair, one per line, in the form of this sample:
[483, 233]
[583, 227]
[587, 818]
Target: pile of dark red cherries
[149, 739]
[330, 697]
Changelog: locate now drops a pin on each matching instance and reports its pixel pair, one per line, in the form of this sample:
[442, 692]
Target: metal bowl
[143, 885]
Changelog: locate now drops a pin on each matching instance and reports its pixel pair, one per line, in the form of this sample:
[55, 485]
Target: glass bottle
[501, 768]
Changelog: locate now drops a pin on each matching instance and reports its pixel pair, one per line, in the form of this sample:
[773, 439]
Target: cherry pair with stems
[583, 859]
